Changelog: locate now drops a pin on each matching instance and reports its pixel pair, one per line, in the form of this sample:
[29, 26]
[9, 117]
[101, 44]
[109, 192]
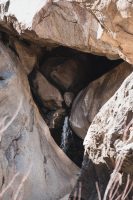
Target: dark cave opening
[69, 71]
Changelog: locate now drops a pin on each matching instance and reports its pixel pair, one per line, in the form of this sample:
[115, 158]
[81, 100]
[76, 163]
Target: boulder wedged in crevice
[76, 69]
[70, 70]
[49, 94]
[29, 157]
[54, 100]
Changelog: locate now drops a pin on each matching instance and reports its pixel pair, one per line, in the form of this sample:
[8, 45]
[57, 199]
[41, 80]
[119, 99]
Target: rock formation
[59, 60]
[109, 146]
[49, 95]
[102, 27]
[110, 134]
[69, 74]
[109, 143]
[27, 55]
[91, 99]
[27, 148]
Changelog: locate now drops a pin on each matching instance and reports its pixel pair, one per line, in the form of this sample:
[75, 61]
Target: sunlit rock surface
[89, 101]
[109, 147]
[110, 134]
[100, 27]
[29, 157]
[103, 27]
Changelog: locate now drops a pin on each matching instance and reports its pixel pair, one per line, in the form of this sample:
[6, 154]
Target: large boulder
[32, 166]
[91, 99]
[110, 135]
[69, 74]
[107, 169]
[103, 27]
[53, 22]
[49, 94]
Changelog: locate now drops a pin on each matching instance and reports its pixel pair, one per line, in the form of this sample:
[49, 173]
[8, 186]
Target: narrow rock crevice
[66, 100]
[55, 82]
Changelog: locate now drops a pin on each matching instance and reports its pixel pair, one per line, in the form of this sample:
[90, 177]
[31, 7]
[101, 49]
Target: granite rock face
[103, 27]
[110, 134]
[89, 101]
[109, 148]
[29, 156]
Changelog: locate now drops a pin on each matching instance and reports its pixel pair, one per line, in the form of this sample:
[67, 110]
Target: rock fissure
[71, 136]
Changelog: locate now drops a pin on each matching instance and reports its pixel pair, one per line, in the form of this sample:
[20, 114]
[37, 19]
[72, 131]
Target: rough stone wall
[103, 27]
[28, 154]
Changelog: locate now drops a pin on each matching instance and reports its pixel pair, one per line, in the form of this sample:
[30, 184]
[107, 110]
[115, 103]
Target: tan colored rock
[89, 101]
[102, 27]
[108, 141]
[52, 22]
[66, 74]
[27, 56]
[116, 27]
[49, 94]
[69, 74]
[55, 119]
[50, 65]
[68, 98]
[111, 132]
[27, 150]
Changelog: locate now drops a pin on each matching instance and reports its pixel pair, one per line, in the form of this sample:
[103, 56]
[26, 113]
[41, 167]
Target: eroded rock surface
[27, 147]
[55, 119]
[49, 94]
[102, 27]
[42, 21]
[28, 55]
[110, 134]
[68, 98]
[69, 74]
[109, 146]
[89, 101]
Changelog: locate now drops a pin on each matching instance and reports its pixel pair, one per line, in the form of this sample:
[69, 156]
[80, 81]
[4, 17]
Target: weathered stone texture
[103, 27]
[26, 146]
[89, 101]
[110, 134]
[49, 94]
